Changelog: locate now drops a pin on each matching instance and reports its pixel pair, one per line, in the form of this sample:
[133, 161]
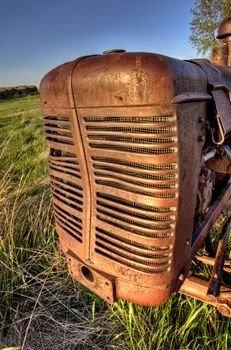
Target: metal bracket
[212, 291]
[220, 93]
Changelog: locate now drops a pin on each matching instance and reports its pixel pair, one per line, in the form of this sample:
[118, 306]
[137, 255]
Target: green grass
[41, 307]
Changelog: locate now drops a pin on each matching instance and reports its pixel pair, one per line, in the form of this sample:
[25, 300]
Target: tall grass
[41, 307]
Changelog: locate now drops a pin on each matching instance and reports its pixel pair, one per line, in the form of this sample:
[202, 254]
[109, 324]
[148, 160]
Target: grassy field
[41, 307]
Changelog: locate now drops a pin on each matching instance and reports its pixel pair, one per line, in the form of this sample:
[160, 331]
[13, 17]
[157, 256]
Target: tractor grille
[134, 169]
[65, 176]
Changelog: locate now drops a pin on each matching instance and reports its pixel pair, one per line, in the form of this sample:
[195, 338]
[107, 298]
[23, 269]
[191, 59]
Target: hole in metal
[87, 274]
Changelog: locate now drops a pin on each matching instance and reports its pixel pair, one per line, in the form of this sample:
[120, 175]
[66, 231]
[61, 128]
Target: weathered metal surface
[91, 279]
[219, 92]
[197, 288]
[126, 133]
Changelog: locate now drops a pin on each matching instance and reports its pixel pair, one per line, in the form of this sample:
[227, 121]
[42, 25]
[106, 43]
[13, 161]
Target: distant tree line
[17, 91]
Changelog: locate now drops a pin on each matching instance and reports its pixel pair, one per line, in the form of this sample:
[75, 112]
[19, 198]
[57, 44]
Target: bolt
[224, 310]
[201, 138]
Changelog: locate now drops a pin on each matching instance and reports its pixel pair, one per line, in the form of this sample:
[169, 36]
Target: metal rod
[210, 261]
[216, 276]
[209, 246]
[202, 231]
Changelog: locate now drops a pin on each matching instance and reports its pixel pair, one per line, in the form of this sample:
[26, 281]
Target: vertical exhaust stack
[222, 55]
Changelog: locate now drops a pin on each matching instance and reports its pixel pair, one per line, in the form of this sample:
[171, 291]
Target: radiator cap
[107, 52]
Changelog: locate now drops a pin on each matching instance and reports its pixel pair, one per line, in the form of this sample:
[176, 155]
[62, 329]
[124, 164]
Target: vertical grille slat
[147, 174]
[67, 201]
[132, 230]
[65, 164]
[138, 223]
[129, 253]
[55, 132]
[68, 220]
[70, 186]
[67, 225]
[148, 183]
[73, 196]
[74, 233]
[48, 122]
[68, 215]
[132, 189]
[135, 205]
[137, 149]
[67, 158]
[130, 250]
[64, 169]
[142, 248]
[133, 119]
[144, 217]
[132, 263]
[57, 129]
[111, 130]
[135, 140]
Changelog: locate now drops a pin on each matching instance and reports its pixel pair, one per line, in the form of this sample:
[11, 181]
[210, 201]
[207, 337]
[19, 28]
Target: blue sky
[37, 35]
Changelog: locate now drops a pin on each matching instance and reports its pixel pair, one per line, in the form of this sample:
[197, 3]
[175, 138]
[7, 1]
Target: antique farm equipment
[140, 164]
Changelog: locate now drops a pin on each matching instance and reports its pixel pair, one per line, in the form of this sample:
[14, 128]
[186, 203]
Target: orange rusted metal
[213, 291]
[127, 134]
[197, 288]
